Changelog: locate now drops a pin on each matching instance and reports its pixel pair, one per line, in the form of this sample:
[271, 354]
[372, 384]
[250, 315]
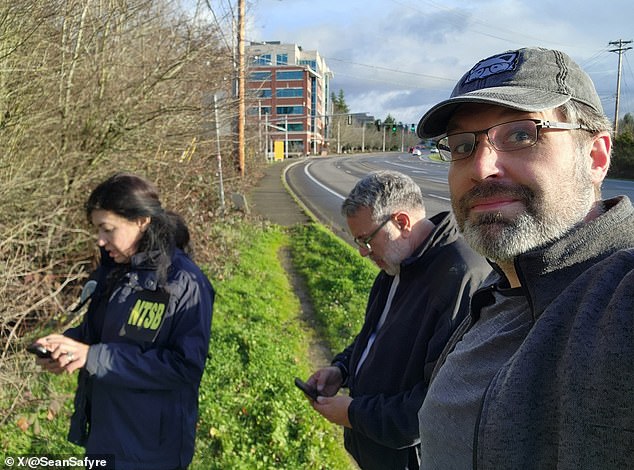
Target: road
[323, 183]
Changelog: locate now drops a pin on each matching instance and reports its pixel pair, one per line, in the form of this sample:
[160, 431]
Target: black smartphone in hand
[39, 350]
[310, 392]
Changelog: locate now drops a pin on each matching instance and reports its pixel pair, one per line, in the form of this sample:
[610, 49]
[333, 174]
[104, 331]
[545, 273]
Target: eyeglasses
[365, 242]
[506, 137]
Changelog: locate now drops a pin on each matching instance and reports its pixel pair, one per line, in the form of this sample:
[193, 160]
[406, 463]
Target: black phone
[311, 392]
[38, 350]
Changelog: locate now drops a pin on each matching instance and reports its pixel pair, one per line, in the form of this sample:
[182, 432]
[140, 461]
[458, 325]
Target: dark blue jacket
[137, 397]
[431, 300]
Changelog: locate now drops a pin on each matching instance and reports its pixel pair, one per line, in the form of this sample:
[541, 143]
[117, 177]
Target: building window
[296, 127]
[253, 111]
[260, 76]
[264, 59]
[311, 63]
[290, 75]
[282, 59]
[289, 110]
[289, 92]
[264, 93]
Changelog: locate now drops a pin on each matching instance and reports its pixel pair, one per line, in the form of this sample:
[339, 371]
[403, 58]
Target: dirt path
[319, 354]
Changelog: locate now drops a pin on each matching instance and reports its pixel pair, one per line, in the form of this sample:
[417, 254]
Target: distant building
[288, 91]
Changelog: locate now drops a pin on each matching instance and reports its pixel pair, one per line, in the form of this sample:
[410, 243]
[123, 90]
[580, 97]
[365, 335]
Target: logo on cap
[492, 66]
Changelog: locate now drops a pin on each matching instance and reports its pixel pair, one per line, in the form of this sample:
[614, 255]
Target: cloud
[402, 56]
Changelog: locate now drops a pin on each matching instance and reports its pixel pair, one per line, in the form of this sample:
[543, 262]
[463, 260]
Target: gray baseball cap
[530, 79]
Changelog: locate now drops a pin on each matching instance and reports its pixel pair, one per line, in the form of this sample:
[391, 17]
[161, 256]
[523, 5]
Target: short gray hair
[576, 112]
[594, 121]
[384, 192]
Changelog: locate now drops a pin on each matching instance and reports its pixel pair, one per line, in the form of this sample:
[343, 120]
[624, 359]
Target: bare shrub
[87, 88]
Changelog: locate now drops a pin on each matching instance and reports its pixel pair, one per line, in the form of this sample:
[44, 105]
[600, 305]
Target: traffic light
[378, 125]
[394, 128]
[349, 119]
[413, 128]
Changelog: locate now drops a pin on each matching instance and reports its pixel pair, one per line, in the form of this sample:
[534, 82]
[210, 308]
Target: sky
[400, 57]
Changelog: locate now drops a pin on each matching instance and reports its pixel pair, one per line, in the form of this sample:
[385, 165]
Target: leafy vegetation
[251, 414]
[338, 281]
[623, 157]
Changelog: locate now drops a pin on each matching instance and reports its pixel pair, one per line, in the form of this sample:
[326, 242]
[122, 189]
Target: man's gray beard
[500, 239]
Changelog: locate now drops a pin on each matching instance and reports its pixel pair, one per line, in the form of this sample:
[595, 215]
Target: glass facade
[282, 59]
[289, 110]
[253, 111]
[311, 63]
[289, 92]
[264, 59]
[260, 76]
[289, 75]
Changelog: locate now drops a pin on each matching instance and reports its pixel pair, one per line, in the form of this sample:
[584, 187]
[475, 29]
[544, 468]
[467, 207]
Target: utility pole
[620, 50]
[241, 87]
[363, 136]
[384, 138]
[218, 154]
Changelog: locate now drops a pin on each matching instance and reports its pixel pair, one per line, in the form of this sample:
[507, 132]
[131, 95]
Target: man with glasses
[420, 296]
[541, 373]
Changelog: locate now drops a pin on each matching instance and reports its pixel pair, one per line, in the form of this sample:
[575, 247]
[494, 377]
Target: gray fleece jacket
[565, 399]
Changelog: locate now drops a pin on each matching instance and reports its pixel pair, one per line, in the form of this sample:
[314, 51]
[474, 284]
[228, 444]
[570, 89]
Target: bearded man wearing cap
[541, 373]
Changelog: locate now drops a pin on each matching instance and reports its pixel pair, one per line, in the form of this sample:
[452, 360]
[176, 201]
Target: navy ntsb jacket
[137, 397]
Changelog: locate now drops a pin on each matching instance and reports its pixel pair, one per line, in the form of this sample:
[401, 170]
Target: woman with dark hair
[141, 347]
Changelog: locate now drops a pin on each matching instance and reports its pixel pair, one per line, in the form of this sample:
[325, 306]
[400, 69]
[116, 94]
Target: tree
[339, 104]
[88, 88]
[626, 125]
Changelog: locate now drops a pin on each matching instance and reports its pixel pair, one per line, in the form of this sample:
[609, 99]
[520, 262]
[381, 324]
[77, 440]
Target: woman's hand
[67, 355]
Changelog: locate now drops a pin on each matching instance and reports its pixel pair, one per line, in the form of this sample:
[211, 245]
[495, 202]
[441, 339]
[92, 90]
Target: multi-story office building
[288, 91]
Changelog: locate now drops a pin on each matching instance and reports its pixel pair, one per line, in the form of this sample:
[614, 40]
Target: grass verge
[251, 414]
[338, 281]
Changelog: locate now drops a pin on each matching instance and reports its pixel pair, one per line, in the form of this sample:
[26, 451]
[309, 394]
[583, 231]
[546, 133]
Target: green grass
[251, 414]
[338, 280]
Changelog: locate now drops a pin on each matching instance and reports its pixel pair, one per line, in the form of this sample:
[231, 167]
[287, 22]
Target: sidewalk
[270, 200]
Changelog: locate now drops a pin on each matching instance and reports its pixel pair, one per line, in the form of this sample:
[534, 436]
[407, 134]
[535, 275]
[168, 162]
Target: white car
[417, 152]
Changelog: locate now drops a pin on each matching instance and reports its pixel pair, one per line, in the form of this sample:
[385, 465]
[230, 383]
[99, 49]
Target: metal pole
[383, 138]
[266, 136]
[285, 137]
[363, 137]
[218, 155]
[260, 125]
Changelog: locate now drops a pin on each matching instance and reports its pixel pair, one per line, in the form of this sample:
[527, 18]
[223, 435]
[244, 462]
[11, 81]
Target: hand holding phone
[39, 350]
[310, 392]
